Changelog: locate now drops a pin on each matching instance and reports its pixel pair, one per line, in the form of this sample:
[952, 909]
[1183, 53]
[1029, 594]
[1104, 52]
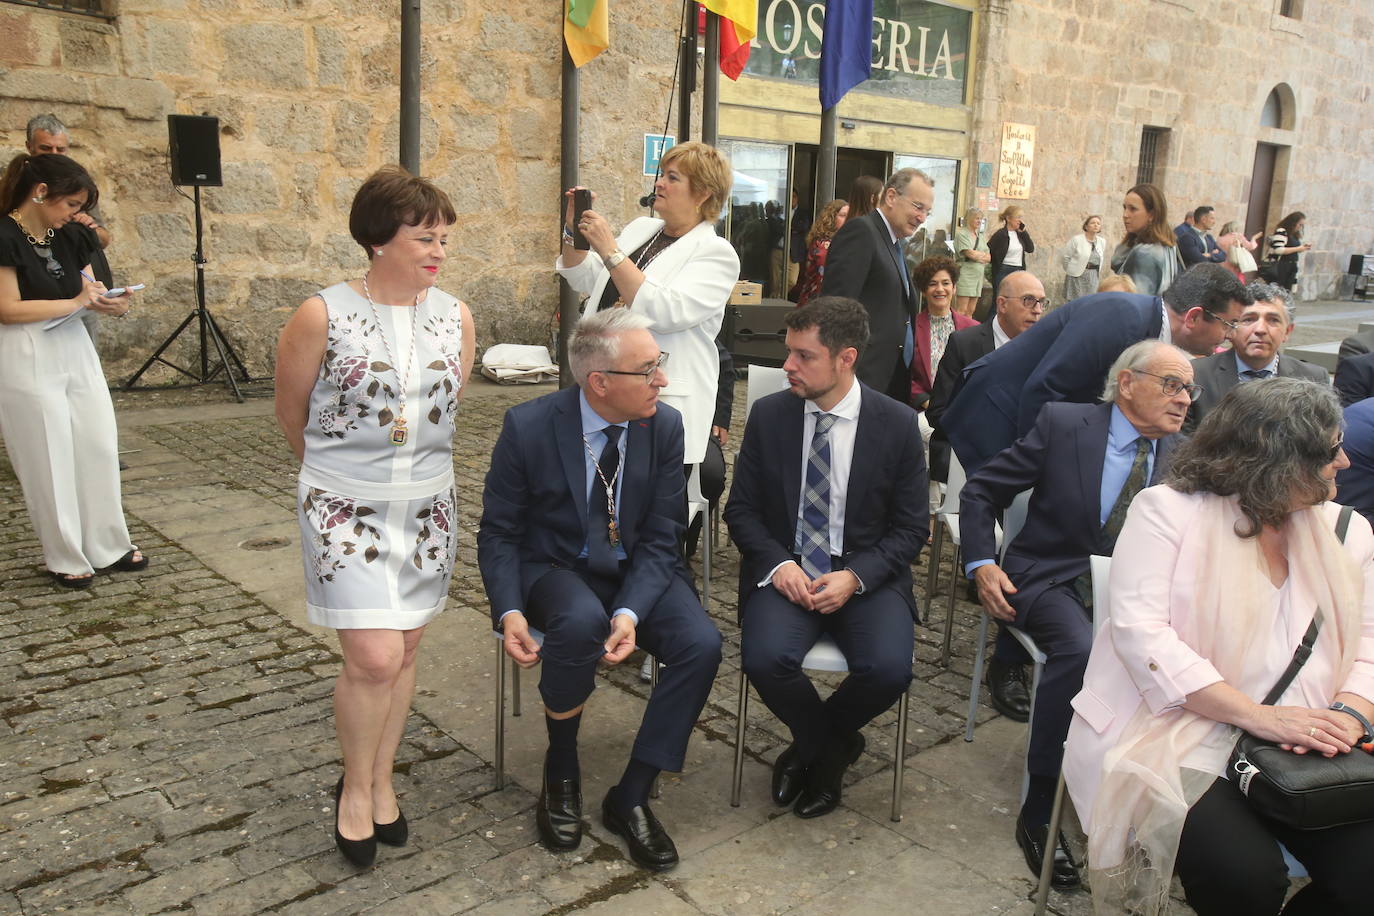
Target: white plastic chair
[763, 381]
[823, 656]
[699, 505]
[946, 518]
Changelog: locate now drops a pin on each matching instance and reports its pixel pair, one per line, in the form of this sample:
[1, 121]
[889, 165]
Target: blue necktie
[813, 530]
[1250, 374]
[601, 558]
[908, 340]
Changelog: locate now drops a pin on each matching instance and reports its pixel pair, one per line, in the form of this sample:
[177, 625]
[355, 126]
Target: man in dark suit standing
[1020, 303]
[1065, 356]
[1196, 245]
[582, 515]
[1254, 353]
[1085, 462]
[829, 509]
[866, 263]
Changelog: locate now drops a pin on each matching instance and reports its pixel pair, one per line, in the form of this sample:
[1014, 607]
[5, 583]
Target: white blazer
[1078, 252]
[685, 292]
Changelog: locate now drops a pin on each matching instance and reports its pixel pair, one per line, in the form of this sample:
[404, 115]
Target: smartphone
[121, 290]
[582, 202]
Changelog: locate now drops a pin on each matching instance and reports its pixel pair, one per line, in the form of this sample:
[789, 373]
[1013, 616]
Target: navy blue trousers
[1061, 627]
[876, 635]
[573, 609]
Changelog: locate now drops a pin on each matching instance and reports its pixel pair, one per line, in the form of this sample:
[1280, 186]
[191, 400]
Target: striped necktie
[813, 528]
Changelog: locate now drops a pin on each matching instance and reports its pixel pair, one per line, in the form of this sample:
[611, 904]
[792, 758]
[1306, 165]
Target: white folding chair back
[1101, 568]
[699, 505]
[763, 381]
[953, 484]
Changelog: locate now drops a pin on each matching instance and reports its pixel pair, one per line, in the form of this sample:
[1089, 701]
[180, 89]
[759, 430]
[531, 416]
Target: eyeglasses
[54, 268]
[920, 208]
[1036, 304]
[1336, 449]
[646, 374]
[1231, 325]
[1173, 386]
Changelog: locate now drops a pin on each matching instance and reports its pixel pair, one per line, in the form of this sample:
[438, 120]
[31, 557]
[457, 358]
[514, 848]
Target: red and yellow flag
[736, 31]
[586, 29]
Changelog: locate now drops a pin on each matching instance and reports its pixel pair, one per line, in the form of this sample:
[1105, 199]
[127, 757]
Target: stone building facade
[307, 96]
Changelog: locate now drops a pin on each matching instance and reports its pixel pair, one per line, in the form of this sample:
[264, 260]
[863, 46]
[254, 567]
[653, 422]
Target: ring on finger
[1312, 732]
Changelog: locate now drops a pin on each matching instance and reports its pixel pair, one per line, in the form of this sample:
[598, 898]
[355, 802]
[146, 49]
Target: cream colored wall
[307, 96]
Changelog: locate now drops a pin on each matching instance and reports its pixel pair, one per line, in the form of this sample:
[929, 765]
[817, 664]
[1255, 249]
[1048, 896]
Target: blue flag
[846, 48]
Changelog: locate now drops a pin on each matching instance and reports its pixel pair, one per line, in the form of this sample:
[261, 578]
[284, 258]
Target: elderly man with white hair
[1085, 462]
[582, 515]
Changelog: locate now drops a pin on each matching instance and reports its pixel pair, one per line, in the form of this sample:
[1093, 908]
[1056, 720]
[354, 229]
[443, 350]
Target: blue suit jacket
[1355, 484]
[887, 504]
[1062, 357]
[1355, 378]
[534, 506]
[1062, 458]
[1196, 249]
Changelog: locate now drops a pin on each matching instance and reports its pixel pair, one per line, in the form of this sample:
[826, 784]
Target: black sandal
[126, 563]
[68, 580]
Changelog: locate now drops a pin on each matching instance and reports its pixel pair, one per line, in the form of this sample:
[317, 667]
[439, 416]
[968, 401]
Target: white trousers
[59, 429]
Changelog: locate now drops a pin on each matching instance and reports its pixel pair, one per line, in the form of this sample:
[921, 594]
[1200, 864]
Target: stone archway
[1269, 174]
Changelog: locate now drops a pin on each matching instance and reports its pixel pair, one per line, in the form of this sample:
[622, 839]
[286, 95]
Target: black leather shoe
[559, 814]
[394, 834]
[361, 853]
[789, 777]
[1064, 874]
[1007, 685]
[647, 842]
[823, 781]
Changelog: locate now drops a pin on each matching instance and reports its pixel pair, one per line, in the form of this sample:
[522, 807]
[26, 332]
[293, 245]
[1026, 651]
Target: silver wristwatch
[613, 259]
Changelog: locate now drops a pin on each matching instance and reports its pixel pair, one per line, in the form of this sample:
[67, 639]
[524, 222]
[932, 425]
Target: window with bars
[94, 8]
[1154, 143]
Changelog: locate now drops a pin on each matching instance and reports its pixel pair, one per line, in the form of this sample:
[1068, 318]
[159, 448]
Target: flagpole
[825, 158]
[687, 70]
[410, 86]
[569, 156]
[710, 82]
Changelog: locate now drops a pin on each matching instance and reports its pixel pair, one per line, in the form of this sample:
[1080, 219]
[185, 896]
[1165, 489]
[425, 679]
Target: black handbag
[1304, 791]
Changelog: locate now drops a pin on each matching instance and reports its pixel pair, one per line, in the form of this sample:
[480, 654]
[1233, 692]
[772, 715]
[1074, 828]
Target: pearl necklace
[399, 433]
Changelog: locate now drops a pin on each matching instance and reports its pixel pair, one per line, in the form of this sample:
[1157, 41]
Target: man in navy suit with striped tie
[829, 508]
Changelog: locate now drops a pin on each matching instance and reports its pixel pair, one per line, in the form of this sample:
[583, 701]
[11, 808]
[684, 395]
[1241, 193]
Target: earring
[39, 200]
[377, 251]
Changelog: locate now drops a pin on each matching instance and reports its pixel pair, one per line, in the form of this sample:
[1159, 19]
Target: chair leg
[899, 775]
[1038, 670]
[653, 683]
[933, 574]
[1042, 891]
[741, 712]
[707, 541]
[979, 655]
[949, 618]
[500, 717]
[515, 688]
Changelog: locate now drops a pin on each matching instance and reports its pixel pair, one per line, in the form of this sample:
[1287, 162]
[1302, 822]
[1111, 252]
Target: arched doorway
[1270, 170]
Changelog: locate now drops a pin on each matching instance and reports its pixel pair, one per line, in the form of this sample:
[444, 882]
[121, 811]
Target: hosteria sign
[920, 49]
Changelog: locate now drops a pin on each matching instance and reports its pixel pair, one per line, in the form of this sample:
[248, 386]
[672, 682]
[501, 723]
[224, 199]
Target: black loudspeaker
[194, 145]
[1356, 265]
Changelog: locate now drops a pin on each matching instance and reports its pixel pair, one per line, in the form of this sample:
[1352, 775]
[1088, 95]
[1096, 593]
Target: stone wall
[307, 96]
[1090, 73]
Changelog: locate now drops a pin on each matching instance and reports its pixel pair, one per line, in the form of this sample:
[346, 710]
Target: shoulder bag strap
[1309, 639]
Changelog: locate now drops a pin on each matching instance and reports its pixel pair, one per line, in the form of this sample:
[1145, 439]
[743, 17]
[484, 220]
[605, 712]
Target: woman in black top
[55, 410]
[1009, 246]
[1284, 246]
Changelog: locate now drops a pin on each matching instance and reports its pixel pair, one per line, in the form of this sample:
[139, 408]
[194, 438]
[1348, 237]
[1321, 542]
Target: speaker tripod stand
[209, 332]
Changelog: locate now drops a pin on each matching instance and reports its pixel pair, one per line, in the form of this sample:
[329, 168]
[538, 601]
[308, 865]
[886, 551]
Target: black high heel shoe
[361, 853]
[394, 834]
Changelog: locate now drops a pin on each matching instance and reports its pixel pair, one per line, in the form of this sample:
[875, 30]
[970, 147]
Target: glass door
[756, 217]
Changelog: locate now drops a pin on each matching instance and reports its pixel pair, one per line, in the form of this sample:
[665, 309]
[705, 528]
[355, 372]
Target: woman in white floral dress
[369, 373]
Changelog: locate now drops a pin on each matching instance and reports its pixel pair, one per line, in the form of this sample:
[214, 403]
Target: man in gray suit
[1254, 354]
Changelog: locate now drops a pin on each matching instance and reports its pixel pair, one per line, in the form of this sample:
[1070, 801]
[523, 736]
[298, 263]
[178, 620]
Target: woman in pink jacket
[1215, 579]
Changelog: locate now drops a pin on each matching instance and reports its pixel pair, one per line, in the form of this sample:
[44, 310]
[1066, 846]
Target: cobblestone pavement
[166, 738]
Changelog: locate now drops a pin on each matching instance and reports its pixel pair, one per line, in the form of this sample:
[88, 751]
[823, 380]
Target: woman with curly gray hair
[1217, 575]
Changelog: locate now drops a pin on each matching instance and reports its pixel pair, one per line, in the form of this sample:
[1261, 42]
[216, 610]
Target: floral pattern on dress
[347, 367]
[434, 542]
[331, 515]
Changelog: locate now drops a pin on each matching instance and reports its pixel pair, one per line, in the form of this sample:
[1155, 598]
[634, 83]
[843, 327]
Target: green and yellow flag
[586, 29]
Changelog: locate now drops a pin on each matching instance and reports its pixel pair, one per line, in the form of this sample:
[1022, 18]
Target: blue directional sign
[655, 145]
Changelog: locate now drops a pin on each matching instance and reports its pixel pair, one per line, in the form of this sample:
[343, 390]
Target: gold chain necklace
[14, 215]
[399, 433]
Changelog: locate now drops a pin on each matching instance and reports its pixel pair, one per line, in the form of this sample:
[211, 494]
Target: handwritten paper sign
[1018, 156]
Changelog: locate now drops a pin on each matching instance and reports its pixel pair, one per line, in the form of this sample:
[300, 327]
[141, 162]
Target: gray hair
[1135, 357]
[902, 177]
[1272, 292]
[48, 123]
[594, 343]
[1265, 443]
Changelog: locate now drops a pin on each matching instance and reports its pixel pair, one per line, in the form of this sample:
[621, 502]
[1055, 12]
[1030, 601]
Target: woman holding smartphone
[55, 409]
